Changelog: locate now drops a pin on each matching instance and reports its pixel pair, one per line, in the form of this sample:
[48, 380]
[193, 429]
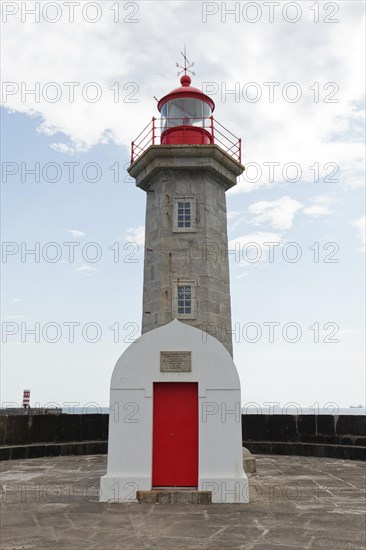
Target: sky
[78, 85]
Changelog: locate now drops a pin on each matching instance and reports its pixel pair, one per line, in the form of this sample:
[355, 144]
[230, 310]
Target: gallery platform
[295, 502]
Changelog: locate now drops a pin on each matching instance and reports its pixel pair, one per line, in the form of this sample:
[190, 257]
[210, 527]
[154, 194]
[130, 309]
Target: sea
[329, 408]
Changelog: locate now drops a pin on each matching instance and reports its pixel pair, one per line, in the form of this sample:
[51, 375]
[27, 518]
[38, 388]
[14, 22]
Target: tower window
[184, 214]
[184, 299]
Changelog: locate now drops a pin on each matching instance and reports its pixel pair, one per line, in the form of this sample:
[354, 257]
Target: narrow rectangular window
[184, 214]
[184, 299]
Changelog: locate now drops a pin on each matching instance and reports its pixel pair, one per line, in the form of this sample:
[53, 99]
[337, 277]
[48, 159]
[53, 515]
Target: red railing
[151, 135]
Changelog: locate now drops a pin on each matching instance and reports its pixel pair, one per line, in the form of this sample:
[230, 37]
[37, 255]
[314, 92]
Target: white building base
[130, 442]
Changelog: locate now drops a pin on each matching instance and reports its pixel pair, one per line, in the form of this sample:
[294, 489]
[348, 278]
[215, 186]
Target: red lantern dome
[186, 113]
[186, 119]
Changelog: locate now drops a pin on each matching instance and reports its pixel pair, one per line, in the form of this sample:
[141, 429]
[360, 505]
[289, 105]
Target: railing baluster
[132, 152]
[229, 142]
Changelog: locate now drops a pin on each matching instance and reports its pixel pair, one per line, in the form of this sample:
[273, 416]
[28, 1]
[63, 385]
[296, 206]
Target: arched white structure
[131, 424]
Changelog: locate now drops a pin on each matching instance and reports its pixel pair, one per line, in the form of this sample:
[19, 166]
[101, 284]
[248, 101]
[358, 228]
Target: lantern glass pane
[185, 112]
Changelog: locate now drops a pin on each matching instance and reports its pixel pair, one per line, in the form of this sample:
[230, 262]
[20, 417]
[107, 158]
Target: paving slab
[295, 503]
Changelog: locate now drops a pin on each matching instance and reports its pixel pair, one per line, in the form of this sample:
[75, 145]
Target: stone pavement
[296, 503]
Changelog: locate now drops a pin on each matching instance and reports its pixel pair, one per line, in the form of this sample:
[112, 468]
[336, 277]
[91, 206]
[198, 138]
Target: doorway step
[174, 496]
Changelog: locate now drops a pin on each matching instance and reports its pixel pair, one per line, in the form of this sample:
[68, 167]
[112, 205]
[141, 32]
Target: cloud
[308, 131]
[16, 300]
[323, 199]
[76, 233]
[360, 225]
[320, 206]
[278, 214]
[317, 210]
[254, 248]
[67, 149]
[86, 269]
[259, 237]
[232, 215]
[136, 235]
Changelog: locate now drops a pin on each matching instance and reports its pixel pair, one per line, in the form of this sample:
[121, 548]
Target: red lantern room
[186, 119]
[186, 115]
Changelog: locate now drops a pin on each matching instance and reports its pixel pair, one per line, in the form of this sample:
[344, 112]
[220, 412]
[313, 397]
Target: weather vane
[187, 65]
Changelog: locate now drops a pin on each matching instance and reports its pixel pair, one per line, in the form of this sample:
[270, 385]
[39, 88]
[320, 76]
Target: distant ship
[355, 406]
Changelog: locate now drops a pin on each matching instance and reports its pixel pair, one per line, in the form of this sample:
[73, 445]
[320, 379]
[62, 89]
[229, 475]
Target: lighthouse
[185, 161]
[175, 421]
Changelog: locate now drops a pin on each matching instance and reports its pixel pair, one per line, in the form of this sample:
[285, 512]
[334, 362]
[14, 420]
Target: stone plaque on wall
[175, 361]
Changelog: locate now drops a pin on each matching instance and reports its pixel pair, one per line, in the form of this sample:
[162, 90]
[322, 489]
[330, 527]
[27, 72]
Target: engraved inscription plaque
[175, 361]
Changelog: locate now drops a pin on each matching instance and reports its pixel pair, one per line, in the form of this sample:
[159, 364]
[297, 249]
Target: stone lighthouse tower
[186, 161]
[175, 420]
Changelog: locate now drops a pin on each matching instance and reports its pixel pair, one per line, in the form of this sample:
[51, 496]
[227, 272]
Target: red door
[175, 434]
